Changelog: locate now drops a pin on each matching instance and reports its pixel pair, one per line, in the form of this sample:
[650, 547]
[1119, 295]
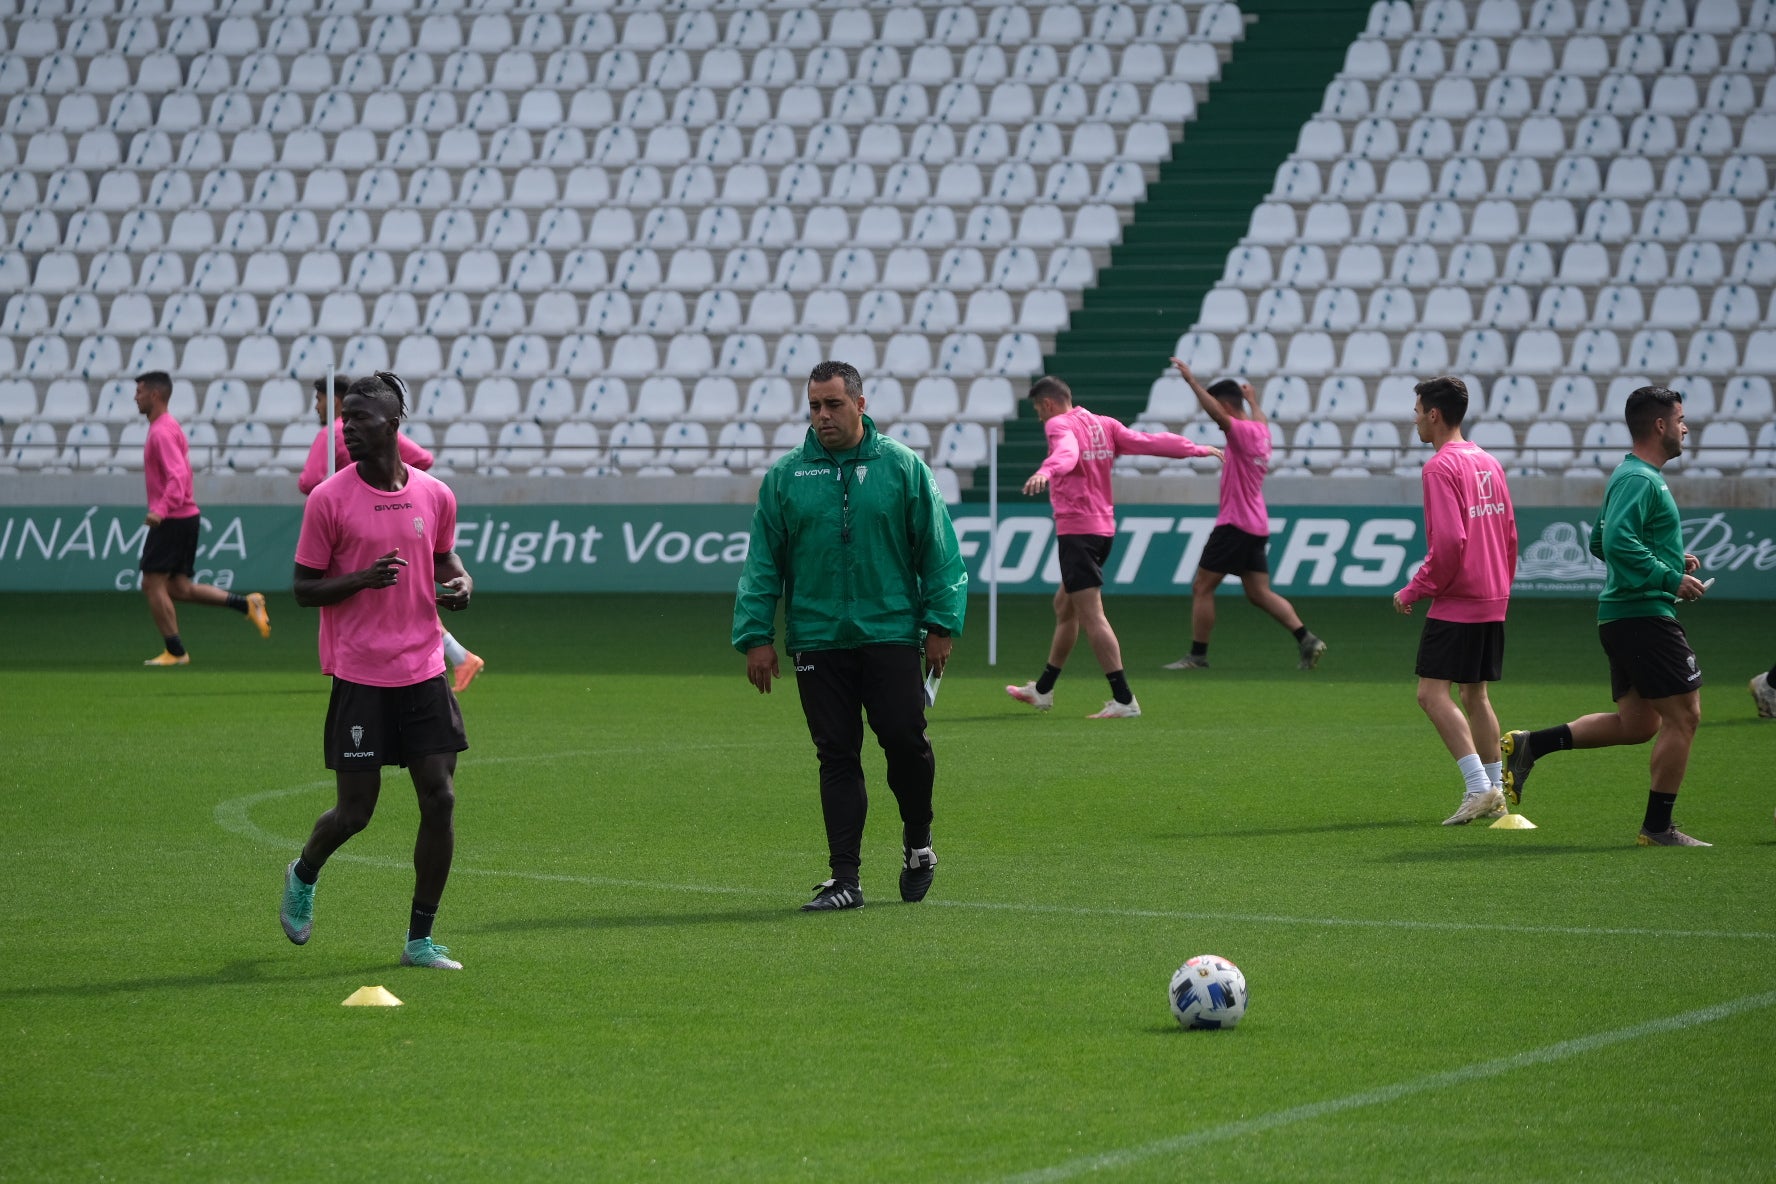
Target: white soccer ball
[1208, 992]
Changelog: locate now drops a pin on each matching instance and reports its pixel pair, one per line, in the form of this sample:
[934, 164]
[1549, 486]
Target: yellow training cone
[371, 997]
[1513, 822]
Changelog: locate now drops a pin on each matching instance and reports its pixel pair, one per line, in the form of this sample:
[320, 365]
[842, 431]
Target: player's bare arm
[1210, 404]
[455, 581]
[314, 588]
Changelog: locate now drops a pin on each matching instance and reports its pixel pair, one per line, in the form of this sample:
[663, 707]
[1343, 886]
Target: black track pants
[839, 688]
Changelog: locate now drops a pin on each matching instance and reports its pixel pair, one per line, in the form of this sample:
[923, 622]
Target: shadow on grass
[1471, 853]
[1169, 1031]
[640, 920]
[1324, 828]
[980, 719]
[244, 972]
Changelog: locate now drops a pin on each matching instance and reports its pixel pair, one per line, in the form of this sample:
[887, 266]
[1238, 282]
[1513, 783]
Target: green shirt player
[1654, 678]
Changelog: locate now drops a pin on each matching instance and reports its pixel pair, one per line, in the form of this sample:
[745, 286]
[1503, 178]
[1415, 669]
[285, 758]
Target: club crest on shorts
[357, 735]
[419, 527]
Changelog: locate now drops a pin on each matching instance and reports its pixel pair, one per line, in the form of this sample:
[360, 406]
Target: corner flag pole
[992, 563]
[327, 421]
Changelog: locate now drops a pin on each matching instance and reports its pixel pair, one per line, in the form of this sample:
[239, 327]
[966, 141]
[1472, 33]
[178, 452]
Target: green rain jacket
[860, 550]
[1639, 537]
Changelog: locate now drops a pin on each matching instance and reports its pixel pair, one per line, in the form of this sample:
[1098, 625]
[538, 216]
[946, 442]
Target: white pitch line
[1547, 1054]
[235, 816]
[1363, 922]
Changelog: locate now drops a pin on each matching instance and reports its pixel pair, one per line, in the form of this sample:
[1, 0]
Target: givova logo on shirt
[1484, 506]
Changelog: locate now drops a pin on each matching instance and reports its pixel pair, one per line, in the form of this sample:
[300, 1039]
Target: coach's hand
[1691, 563]
[1036, 484]
[385, 572]
[761, 667]
[937, 653]
[1400, 606]
[1690, 589]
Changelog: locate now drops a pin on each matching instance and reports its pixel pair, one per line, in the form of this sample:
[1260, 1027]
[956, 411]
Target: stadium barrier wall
[1317, 550]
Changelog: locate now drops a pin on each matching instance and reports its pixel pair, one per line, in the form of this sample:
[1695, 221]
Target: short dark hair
[1447, 396]
[1050, 387]
[1228, 390]
[382, 384]
[158, 381]
[829, 370]
[341, 386]
[1647, 406]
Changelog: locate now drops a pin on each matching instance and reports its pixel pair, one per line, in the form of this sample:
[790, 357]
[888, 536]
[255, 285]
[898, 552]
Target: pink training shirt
[381, 637]
[1246, 464]
[166, 467]
[1470, 537]
[1081, 448]
[314, 470]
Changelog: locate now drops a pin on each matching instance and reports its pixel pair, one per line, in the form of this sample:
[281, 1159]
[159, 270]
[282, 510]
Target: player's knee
[1684, 718]
[352, 819]
[438, 805]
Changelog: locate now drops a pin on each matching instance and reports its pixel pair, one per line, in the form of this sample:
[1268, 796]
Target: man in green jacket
[853, 536]
[1654, 678]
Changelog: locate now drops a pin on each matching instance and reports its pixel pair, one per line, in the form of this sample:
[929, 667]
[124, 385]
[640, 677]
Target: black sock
[175, 647]
[307, 872]
[906, 838]
[1299, 633]
[1771, 677]
[1046, 683]
[419, 922]
[1199, 649]
[1555, 739]
[1658, 815]
[1119, 688]
[237, 602]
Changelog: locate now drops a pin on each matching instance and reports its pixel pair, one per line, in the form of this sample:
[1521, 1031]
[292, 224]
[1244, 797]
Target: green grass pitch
[643, 1002]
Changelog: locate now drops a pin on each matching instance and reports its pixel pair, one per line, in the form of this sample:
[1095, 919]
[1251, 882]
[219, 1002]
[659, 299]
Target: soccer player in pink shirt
[378, 538]
[169, 553]
[1082, 447]
[1470, 560]
[314, 471]
[1237, 545]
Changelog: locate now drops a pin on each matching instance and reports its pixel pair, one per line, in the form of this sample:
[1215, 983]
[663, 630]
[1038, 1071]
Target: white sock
[1474, 773]
[453, 650]
[1495, 773]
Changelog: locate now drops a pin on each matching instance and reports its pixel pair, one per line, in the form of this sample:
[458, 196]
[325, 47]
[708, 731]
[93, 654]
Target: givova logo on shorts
[357, 735]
